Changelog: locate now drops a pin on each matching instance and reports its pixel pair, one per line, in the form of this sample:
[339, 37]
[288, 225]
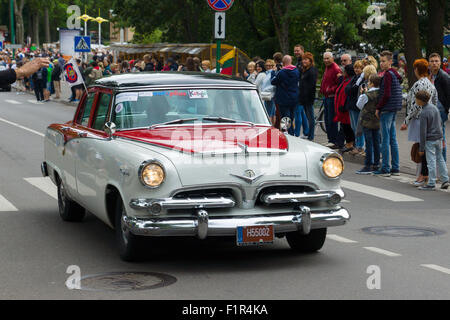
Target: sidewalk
[406, 164]
[66, 93]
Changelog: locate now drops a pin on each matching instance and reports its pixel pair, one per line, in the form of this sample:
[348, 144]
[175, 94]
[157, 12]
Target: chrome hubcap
[123, 226]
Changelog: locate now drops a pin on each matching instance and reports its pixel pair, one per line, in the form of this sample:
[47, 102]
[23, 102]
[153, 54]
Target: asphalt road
[37, 247]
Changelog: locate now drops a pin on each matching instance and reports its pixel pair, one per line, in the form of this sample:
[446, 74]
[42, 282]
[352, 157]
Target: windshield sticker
[129, 96]
[119, 108]
[163, 93]
[198, 94]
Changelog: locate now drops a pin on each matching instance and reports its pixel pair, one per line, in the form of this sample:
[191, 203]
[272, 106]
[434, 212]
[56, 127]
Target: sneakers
[329, 144]
[395, 172]
[355, 151]
[445, 185]
[381, 173]
[346, 149]
[365, 171]
[427, 187]
[419, 183]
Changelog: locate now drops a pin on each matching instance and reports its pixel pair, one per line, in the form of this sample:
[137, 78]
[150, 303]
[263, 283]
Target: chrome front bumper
[202, 225]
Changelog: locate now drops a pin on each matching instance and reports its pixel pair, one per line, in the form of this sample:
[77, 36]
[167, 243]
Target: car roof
[176, 79]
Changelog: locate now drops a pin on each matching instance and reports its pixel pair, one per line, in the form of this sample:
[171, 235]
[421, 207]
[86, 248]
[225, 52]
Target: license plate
[254, 235]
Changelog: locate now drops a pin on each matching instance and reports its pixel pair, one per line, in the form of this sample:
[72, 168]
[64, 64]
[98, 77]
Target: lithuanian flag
[227, 62]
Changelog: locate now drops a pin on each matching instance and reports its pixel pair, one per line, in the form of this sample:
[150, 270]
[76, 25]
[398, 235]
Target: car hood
[217, 155]
[211, 139]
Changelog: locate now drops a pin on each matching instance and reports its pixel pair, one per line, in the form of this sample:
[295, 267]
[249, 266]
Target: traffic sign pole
[219, 24]
[218, 57]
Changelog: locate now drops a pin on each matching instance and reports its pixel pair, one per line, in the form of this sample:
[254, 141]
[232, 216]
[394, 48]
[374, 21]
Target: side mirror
[110, 129]
[285, 124]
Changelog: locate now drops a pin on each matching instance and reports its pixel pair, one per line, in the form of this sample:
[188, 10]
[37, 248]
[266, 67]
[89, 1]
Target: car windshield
[154, 108]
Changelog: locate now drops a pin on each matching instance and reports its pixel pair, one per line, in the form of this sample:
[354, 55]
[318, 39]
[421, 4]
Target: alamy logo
[374, 281]
[377, 18]
[73, 22]
[73, 281]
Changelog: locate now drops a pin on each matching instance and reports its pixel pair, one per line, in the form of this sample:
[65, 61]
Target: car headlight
[332, 165]
[152, 174]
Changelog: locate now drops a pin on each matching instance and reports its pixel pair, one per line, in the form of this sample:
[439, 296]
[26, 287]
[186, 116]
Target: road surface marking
[345, 201]
[437, 268]
[44, 184]
[22, 127]
[5, 205]
[381, 251]
[13, 102]
[340, 239]
[35, 102]
[379, 193]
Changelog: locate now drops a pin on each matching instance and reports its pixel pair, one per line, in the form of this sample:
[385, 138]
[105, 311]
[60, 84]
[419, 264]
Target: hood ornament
[249, 176]
[244, 148]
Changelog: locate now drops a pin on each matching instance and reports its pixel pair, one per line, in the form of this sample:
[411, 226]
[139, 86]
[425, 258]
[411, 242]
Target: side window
[102, 111]
[85, 112]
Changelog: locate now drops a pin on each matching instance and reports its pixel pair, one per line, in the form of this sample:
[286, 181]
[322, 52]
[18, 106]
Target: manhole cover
[403, 231]
[126, 281]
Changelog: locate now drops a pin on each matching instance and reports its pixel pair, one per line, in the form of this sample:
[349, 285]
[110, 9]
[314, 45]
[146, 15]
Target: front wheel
[130, 246]
[68, 210]
[309, 243]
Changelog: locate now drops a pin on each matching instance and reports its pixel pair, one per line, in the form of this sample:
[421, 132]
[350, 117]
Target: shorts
[78, 87]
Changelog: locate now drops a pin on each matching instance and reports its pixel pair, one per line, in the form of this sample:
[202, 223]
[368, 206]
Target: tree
[20, 26]
[436, 13]
[410, 21]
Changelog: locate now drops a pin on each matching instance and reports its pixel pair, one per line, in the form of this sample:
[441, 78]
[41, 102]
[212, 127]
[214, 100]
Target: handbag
[415, 157]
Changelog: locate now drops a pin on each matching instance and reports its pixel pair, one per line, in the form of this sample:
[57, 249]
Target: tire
[310, 243]
[130, 246]
[69, 210]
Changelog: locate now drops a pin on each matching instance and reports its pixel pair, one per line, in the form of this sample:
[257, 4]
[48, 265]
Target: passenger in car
[157, 110]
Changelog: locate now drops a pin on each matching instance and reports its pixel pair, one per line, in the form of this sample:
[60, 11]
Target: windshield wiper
[178, 121]
[227, 120]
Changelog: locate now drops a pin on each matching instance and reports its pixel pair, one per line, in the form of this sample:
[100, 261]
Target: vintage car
[191, 155]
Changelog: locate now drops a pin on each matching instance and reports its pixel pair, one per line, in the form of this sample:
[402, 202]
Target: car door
[90, 158]
[72, 134]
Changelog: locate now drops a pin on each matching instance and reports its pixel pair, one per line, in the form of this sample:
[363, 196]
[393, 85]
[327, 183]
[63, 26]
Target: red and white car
[191, 155]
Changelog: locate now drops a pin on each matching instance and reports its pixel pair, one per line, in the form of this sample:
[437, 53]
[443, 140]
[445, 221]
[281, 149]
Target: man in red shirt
[330, 83]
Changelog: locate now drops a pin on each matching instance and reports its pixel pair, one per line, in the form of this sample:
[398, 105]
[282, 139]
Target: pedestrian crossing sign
[82, 44]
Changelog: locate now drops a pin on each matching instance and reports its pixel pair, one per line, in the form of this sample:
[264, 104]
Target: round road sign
[220, 5]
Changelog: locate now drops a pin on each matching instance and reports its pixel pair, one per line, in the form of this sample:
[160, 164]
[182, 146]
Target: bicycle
[319, 113]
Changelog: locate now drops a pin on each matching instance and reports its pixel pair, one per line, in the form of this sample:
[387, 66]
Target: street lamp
[99, 20]
[85, 18]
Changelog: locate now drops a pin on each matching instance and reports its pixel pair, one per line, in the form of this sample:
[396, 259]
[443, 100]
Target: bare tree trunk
[20, 28]
[36, 28]
[47, 26]
[30, 25]
[410, 21]
[436, 15]
[281, 23]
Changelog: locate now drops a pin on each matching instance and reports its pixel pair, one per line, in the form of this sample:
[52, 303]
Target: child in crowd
[431, 141]
[367, 103]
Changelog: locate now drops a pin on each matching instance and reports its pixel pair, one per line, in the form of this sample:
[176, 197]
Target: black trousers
[424, 169]
[39, 90]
